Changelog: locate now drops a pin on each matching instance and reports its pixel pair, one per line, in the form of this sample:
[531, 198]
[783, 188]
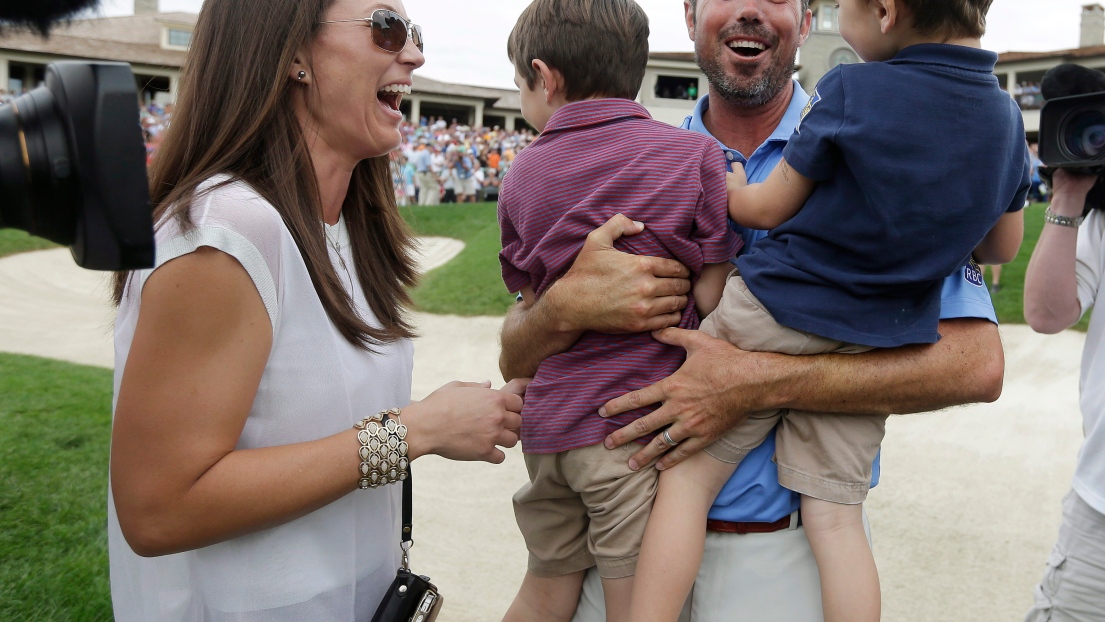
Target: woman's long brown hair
[234, 115]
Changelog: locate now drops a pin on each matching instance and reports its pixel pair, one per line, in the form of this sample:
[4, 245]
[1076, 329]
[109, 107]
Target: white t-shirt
[1089, 476]
[335, 563]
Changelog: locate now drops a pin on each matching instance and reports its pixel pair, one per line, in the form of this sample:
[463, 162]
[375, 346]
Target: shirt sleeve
[514, 277]
[1025, 183]
[230, 217]
[711, 231]
[1087, 267]
[964, 295]
[813, 150]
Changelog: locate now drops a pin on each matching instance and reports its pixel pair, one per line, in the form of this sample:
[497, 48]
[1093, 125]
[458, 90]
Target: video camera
[1072, 125]
[72, 157]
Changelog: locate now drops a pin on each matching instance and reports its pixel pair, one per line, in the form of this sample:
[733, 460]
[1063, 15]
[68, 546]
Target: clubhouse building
[155, 45]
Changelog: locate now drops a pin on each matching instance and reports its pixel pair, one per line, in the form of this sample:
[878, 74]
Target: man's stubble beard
[746, 92]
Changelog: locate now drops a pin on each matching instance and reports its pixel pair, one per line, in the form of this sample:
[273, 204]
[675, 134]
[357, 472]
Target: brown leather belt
[724, 526]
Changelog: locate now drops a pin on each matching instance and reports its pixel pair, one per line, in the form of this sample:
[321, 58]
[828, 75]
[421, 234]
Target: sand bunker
[964, 518]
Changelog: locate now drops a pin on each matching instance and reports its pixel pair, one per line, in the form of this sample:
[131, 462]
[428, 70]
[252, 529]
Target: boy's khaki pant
[821, 455]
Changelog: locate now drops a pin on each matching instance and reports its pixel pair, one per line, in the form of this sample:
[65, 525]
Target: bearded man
[757, 564]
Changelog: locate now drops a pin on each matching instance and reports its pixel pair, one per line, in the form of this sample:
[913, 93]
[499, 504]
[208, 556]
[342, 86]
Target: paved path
[963, 521]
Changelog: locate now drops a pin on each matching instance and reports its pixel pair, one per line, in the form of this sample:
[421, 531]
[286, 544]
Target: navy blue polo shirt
[753, 493]
[916, 158]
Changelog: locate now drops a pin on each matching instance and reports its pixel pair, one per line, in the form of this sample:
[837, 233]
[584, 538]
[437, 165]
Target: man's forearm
[1050, 284]
[719, 385]
[967, 365]
[530, 335]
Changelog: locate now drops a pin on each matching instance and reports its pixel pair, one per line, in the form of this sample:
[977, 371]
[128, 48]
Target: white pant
[756, 577]
[430, 193]
[1073, 586]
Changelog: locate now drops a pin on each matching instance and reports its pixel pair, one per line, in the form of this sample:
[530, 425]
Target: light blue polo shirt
[753, 493]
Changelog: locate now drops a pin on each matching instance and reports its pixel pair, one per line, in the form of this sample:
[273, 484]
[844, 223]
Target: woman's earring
[302, 74]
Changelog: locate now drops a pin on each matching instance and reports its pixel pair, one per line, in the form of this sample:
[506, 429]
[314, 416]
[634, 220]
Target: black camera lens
[1084, 134]
[73, 166]
[35, 173]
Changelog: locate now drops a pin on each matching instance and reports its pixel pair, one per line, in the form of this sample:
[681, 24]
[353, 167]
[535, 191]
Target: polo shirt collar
[782, 133]
[957, 56]
[594, 112]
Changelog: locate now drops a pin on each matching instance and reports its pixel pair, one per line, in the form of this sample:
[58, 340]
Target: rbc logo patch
[809, 106]
[973, 274]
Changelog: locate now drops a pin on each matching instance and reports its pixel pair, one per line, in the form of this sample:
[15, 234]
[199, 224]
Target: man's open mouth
[747, 49]
[392, 95]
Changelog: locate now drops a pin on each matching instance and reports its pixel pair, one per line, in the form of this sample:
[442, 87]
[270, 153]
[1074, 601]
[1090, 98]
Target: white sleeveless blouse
[333, 564]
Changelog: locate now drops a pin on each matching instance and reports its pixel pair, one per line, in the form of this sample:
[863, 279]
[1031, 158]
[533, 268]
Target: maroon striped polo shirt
[595, 159]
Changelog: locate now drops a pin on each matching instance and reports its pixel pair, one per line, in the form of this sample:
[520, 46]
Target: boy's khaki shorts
[821, 455]
[584, 508]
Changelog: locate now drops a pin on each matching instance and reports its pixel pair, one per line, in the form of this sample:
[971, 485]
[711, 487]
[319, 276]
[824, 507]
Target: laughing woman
[273, 322]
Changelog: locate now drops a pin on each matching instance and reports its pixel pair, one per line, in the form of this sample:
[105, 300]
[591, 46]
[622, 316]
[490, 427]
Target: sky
[466, 39]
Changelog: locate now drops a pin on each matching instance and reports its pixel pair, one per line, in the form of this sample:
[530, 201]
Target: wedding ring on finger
[668, 440]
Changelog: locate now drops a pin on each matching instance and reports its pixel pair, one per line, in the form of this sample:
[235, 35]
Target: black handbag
[411, 597]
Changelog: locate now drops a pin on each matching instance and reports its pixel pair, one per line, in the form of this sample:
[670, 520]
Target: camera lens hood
[99, 109]
[73, 166]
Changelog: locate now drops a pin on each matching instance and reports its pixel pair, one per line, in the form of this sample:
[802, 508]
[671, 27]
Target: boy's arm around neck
[771, 203]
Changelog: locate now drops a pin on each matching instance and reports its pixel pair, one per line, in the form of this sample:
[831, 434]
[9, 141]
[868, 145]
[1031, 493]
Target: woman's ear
[299, 72]
[551, 80]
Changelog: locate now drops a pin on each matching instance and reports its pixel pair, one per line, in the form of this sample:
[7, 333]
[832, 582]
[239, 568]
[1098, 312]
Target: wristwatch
[1063, 221]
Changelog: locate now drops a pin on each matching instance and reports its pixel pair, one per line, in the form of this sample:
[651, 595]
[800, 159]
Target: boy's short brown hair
[949, 18]
[600, 46]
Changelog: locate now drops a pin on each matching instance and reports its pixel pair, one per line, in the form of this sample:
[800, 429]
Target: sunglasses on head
[390, 30]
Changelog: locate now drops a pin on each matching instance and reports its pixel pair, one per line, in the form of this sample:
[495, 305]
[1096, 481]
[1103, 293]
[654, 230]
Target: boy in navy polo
[579, 65]
[899, 170]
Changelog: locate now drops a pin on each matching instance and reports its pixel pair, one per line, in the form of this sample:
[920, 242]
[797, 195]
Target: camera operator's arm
[1001, 244]
[1050, 286]
[605, 290]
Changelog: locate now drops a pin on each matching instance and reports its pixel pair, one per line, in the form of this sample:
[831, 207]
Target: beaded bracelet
[383, 450]
[1051, 217]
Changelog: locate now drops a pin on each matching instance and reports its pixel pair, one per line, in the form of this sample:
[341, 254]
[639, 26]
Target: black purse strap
[408, 511]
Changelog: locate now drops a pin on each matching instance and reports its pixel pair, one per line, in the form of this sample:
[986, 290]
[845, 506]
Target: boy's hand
[738, 178]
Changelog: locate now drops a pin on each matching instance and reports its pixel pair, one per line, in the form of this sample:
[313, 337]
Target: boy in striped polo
[579, 65]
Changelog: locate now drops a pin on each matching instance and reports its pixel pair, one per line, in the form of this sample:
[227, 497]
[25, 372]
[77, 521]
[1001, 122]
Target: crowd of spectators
[438, 162]
[6, 95]
[1028, 96]
[679, 91]
[441, 162]
[154, 119]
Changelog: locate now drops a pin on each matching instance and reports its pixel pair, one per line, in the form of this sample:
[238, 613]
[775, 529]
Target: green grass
[14, 241]
[472, 283]
[55, 426]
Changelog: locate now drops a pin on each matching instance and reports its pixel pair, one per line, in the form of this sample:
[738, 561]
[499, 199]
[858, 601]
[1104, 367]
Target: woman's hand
[466, 421]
